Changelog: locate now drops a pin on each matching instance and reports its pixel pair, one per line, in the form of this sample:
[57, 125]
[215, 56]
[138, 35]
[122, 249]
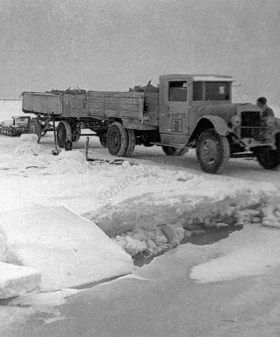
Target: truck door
[174, 107]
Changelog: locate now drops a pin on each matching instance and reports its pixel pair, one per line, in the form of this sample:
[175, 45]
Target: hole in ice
[152, 224]
[198, 237]
[143, 244]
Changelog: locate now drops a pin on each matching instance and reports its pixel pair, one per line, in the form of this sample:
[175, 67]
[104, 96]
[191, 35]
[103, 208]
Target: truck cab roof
[198, 77]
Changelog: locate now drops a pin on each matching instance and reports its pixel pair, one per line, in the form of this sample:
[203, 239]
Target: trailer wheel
[172, 151]
[75, 138]
[64, 135]
[76, 135]
[117, 139]
[131, 142]
[35, 128]
[212, 150]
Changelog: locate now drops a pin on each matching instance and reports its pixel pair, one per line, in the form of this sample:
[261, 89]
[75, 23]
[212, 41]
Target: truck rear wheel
[173, 151]
[212, 150]
[35, 128]
[103, 140]
[131, 142]
[117, 140]
[64, 135]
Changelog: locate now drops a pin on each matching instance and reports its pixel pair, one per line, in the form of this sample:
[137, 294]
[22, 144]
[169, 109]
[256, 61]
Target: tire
[268, 159]
[212, 150]
[117, 140]
[64, 134]
[103, 139]
[35, 127]
[131, 142]
[172, 151]
[75, 138]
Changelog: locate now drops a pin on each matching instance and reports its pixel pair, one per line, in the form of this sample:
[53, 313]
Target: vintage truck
[184, 111]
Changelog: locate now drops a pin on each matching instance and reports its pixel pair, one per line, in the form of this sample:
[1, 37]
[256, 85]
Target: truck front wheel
[117, 140]
[172, 151]
[267, 158]
[212, 150]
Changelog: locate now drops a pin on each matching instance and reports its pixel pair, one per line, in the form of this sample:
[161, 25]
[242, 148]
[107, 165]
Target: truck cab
[183, 99]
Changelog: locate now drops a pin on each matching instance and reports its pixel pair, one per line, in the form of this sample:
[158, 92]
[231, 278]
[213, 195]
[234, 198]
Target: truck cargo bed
[42, 103]
[136, 109]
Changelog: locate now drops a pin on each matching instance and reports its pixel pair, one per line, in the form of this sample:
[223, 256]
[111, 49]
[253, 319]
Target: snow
[67, 249]
[151, 223]
[17, 280]
[79, 222]
[45, 299]
[253, 251]
[3, 246]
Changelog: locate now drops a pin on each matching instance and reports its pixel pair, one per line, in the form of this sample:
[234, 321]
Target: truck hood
[224, 110]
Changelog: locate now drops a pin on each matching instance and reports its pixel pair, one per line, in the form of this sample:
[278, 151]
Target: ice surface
[253, 251]
[67, 249]
[17, 280]
[146, 206]
[47, 299]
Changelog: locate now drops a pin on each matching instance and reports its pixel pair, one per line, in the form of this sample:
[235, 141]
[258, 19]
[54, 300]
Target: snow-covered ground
[53, 207]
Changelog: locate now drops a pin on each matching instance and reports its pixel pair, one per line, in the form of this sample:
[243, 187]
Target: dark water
[203, 237]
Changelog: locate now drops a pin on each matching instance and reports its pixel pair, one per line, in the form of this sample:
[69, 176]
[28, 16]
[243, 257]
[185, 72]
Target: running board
[177, 146]
[243, 155]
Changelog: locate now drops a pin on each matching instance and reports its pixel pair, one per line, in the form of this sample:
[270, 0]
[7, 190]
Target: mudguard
[219, 124]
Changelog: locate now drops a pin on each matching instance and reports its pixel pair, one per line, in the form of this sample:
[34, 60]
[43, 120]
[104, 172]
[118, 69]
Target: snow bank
[253, 251]
[67, 249]
[17, 280]
[152, 223]
[3, 247]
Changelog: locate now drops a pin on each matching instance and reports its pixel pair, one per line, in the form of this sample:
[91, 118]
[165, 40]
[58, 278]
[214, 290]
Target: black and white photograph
[139, 168]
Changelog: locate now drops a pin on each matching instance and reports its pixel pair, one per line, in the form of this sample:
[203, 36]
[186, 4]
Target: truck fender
[207, 122]
[219, 125]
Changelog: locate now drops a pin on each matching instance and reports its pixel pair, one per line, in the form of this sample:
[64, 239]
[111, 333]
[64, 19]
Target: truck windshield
[217, 91]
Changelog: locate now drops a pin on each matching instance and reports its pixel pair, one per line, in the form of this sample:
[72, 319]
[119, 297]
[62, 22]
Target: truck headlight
[235, 120]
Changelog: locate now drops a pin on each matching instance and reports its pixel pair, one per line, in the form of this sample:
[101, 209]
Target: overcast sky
[114, 44]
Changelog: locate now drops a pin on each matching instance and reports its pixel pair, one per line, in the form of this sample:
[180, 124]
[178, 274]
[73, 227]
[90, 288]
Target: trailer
[76, 110]
[184, 111]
